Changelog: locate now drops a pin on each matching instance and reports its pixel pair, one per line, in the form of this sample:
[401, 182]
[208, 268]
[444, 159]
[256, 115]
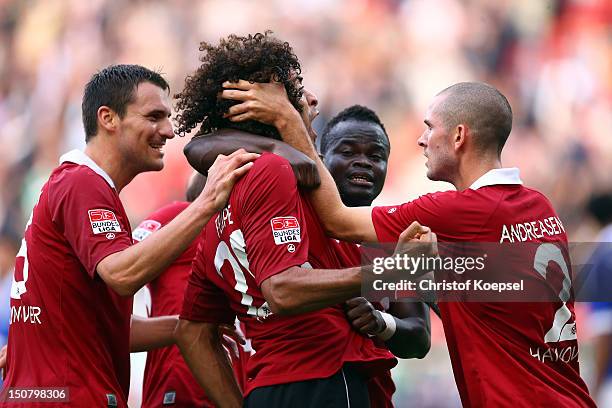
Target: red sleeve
[429, 210]
[272, 218]
[203, 301]
[85, 208]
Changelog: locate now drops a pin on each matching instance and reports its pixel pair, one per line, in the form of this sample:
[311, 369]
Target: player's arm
[128, 270]
[405, 329]
[201, 153]
[148, 333]
[300, 290]
[268, 103]
[203, 352]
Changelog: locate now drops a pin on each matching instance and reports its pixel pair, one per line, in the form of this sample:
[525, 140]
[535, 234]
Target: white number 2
[561, 330]
[223, 254]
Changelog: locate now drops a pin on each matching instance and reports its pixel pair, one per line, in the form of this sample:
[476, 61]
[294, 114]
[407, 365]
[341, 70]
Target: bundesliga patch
[146, 228]
[103, 221]
[285, 230]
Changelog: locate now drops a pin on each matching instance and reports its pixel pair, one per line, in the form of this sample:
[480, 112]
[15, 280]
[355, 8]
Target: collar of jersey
[496, 177]
[78, 157]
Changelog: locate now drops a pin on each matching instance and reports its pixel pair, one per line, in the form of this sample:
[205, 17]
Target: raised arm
[128, 270]
[202, 151]
[268, 103]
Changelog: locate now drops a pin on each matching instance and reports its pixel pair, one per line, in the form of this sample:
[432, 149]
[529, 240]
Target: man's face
[437, 144]
[310, 111]
[357, 160]
[145, 128]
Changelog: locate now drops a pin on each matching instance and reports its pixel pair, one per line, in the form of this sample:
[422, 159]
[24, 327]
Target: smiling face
[357, 157]
[437, 144]
[144, 129]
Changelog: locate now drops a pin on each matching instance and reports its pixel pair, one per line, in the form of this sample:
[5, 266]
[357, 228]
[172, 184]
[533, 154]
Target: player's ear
[459, 136]
[107, 118]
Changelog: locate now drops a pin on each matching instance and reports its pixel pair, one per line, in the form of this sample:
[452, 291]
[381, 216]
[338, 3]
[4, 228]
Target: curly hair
[255, 58]
[356, 112]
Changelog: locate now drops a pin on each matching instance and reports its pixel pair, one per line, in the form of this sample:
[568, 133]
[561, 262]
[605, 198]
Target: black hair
[357, 113]
[256, 58]
[115, 87]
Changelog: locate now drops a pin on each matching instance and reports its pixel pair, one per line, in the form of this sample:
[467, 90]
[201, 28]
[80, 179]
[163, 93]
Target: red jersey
[67, 327]
[266, 228]
[167, 379]
[502, 353]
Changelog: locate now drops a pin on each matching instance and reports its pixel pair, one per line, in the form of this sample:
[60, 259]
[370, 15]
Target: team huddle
[256, 279]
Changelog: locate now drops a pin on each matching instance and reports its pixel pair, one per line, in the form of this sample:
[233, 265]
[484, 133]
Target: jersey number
[561, 330]
[223, 254]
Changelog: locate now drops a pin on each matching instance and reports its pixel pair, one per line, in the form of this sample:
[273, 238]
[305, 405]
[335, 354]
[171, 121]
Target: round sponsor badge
[291, 248]
[110, 235]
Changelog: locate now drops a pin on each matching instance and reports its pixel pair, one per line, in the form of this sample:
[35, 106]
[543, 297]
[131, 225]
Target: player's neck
[109, 161]
[472, 170]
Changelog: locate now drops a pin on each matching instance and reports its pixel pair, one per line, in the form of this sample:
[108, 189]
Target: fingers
[360, 310]
[231, 332]
[230, 345]
[370, 328]
[239, 172]
[238, 158]
[367, 324]
[234, 160]
[356, 301]
[3, 357]
[241, 118]
[234, 95]
[241, 84]
[412, 231]
[361, 321]
[235, 153]
[237, 109]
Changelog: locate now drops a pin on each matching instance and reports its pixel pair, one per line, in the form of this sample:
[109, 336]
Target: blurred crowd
[552, 58]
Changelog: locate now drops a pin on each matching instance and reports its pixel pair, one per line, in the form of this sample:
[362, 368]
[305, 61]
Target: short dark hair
[357, 113]
[256, 58]
[483, 108]
[114, 87]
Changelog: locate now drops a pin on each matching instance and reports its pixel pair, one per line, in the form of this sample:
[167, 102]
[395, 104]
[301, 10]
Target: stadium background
[553, 59]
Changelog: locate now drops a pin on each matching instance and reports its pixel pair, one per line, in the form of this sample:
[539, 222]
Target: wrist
[205, 208]
[287, 121]
[390, 328]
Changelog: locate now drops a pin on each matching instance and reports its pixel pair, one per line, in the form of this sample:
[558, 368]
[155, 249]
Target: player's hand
[364, 317]
[3, 358]
[306, 173]
[231, 338]
[416, 240]
[264, 102]
[222, 176]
